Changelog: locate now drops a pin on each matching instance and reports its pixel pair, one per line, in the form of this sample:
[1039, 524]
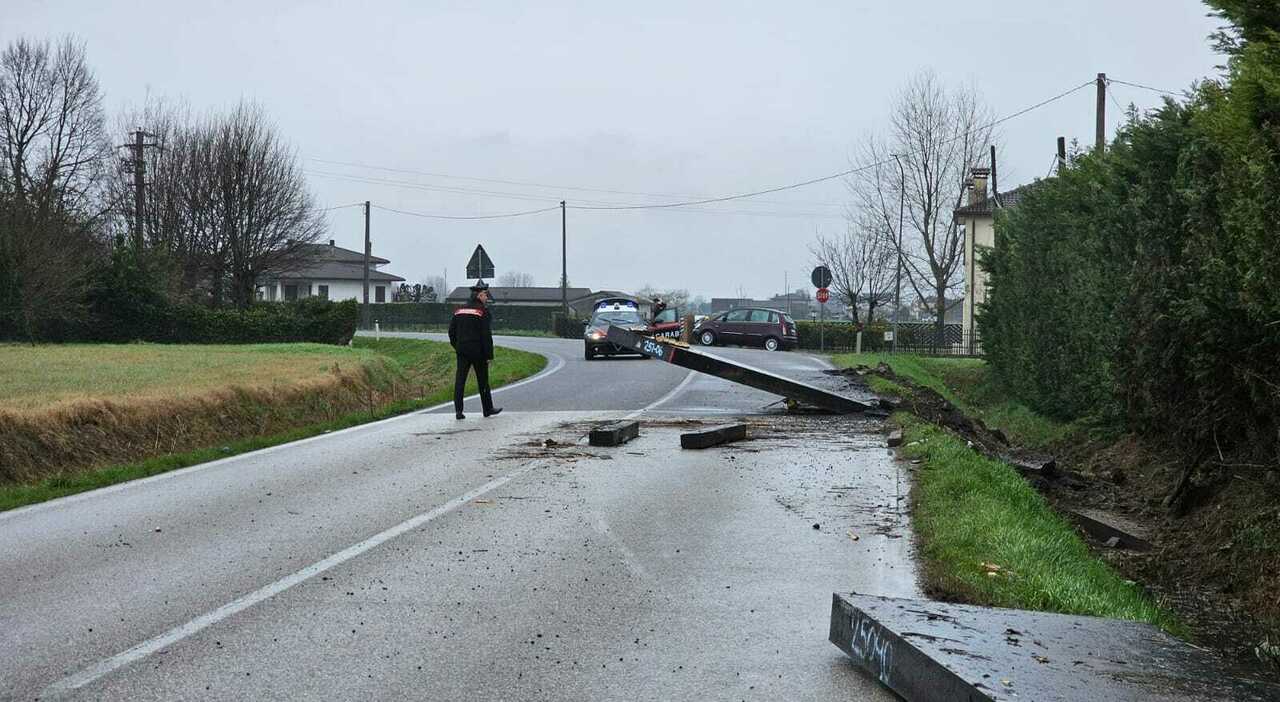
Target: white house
[330, 272]
[978, 220]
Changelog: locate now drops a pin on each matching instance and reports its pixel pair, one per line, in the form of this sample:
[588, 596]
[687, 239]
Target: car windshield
[607, 317]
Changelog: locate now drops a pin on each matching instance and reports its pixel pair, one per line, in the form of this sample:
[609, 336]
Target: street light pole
[897, 278]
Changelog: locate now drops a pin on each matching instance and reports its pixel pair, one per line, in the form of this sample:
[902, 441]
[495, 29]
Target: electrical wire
[342, 207]
[455, 217]
[1052, 165]
[531, 198]
[1145, 87]
[832, 176]
[548, 186]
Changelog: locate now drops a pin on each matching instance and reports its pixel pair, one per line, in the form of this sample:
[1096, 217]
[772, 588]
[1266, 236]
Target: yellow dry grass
[43, 378]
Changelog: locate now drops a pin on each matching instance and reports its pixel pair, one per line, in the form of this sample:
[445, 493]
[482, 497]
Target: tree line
[909, 179]
[225, 198]
[1140, 285]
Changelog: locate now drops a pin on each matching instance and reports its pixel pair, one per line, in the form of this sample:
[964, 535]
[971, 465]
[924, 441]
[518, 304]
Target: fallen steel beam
[713, 436]
[733, 371]
[937, 652]
[614, 434]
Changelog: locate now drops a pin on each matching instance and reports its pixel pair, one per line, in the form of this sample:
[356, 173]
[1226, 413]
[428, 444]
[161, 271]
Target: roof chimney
[978, 179]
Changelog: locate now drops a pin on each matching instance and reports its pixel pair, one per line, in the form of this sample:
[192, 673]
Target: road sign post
[480, 265]
[821, 279]
[823, 295]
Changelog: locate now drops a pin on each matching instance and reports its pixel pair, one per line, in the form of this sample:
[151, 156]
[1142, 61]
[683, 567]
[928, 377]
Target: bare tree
[674, 298]
[435, 288]
[515, 279]
[53, 152]
[861, 263]
[937, 135]
[266, 212]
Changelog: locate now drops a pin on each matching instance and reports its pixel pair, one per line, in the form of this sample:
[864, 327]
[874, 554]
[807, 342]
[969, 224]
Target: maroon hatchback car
[749, 326]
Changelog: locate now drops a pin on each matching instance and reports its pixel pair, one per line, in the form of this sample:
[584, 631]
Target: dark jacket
[471, 331]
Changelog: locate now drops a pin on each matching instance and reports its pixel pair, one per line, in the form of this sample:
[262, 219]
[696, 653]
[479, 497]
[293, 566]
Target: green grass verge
[970, 511]
[424, 362]
[967, 383]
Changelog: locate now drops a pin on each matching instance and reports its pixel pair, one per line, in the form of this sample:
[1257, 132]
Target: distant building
[329, 272]
[978, 220]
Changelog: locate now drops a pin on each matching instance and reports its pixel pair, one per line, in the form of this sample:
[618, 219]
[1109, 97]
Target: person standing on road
[471, 335]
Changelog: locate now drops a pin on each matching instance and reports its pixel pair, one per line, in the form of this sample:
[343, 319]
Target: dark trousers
[482, 380]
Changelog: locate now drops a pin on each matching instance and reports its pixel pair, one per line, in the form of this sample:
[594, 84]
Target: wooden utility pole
[137, 162]
[364, 309]
[1101, 142]
[1062, 154]
[564, 261]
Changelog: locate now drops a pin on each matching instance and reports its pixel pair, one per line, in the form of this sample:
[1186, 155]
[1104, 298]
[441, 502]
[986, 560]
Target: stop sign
[823, 295]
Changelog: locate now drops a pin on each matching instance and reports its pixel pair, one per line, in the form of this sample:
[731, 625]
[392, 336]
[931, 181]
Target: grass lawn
[424, 367]
[986, 536]
[34, 377]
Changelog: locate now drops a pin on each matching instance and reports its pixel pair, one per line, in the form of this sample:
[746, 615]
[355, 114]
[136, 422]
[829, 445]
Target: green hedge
[1142, 284]
[523, 317]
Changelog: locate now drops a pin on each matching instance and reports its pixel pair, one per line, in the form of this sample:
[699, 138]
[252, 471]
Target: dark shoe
[493, 411]
[461, 415]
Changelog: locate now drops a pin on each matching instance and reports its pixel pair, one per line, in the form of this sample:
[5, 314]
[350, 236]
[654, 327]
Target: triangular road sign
[480, 265]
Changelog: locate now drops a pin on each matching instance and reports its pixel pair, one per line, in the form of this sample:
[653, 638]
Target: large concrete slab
[932, 651]
[736, 371]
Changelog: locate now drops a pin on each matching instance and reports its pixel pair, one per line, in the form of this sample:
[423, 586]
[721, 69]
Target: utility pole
[137, 162]
[364, 309]
[786, 290]
[564, 261]
[1102, 113]
[1062, 154]
[897, 277]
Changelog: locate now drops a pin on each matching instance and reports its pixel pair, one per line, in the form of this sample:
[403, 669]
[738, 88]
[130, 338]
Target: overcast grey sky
[668, 98]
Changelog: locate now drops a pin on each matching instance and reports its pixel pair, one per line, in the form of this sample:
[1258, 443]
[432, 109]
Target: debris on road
[713, 436]
[614, 434]
[932, 651]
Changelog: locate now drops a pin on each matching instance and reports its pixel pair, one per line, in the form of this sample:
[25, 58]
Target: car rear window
[789, 320]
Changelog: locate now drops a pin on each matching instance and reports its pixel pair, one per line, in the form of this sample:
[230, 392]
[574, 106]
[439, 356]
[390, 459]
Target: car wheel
[770, 344]
[708, 338]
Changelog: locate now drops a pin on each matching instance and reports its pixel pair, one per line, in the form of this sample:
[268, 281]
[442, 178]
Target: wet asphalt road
[426, 558]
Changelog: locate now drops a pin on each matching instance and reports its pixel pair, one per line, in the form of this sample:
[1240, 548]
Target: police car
[611, 311]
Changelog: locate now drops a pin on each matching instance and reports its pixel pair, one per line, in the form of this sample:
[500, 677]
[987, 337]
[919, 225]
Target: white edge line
[556, 363]
[178, 633]
[665, 398]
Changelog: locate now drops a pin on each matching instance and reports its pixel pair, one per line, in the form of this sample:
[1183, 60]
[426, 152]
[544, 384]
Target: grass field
[103, 432]
[34, 377]
[986, 536]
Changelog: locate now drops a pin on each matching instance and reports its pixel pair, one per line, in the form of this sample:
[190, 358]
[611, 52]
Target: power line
[530, 198]
[548, 186]
[832, 176]
[1146, 87]
[491, 216]
[341, 207]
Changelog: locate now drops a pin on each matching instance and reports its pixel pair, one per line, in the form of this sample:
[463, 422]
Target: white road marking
[178, 633]
[674, 391]
[555, 363]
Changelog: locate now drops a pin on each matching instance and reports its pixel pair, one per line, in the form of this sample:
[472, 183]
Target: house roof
[331, 252]
[335, 270]
[517, 295]
[990, 205]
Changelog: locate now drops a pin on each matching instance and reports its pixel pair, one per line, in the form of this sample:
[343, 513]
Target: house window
[290, 292]
[380, 294]
[324, 292]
